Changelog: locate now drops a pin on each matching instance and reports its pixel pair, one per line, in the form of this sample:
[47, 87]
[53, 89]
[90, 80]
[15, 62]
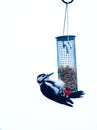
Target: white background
[28, 47]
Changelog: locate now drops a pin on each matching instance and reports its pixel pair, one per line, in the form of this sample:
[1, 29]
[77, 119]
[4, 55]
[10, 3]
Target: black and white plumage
[77, 94]
[50, 90]
[54, 90]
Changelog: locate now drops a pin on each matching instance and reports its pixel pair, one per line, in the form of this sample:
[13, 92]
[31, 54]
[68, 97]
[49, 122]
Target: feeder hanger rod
[66, 16]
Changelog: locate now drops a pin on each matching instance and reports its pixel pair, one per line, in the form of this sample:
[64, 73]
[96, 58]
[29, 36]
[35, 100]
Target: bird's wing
[58, 85]
[51, 84]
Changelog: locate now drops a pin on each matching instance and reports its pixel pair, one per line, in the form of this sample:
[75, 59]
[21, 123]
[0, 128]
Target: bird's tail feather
[78, 94]
[67, 104]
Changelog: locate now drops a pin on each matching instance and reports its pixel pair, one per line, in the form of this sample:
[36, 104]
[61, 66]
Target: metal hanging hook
[67, 2]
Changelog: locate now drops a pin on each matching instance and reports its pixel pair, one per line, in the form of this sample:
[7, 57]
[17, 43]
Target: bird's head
[42, 77]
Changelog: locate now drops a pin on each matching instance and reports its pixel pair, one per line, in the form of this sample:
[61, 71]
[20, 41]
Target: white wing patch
[56, 90]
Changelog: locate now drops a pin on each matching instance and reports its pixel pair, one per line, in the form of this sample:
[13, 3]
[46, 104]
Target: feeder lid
[65, 38]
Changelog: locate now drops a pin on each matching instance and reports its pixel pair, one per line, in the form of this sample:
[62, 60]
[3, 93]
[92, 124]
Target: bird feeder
[66, 56]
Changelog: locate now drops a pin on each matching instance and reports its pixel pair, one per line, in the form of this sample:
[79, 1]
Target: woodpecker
[52, 90]
[55, 90]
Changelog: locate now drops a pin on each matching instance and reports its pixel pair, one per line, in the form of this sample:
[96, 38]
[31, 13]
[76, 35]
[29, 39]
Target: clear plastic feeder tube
[66, 61]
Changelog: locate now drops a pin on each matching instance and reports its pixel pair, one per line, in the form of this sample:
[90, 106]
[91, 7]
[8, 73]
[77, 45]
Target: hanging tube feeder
[66, 56]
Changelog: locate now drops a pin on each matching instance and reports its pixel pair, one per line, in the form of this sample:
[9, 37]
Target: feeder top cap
[65, 38]
[67, 2]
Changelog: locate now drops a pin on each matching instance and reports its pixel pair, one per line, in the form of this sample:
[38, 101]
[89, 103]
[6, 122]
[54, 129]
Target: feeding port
[66, 61]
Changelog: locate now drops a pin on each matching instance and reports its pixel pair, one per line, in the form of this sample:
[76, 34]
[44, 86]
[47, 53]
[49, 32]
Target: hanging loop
[67, 2]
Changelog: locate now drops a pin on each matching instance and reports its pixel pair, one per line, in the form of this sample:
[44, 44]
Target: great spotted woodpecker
[54, 90]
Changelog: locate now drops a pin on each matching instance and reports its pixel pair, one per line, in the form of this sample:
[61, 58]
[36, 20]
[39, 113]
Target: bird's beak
[48, 75]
